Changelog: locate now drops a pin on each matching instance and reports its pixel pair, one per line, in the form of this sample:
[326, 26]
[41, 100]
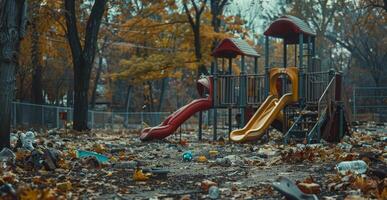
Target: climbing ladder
[311, 119]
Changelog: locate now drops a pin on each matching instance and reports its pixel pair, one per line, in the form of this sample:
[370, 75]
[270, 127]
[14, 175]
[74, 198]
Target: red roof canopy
[288, 28]
[231, 48]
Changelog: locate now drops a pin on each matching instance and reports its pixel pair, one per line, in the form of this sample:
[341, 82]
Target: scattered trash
[213, 192]
[224, 162]
[7, 191]
[126, 165]
[206, 184]
[27, 140]
[91, 162]
[64, 186]
[51, 158]
[213, 153]
[7, 157]
[235, 160]
[266, 153]
[309, 188]
[101, 158]
[290, 190]
[140, 176]
[202, 159]
[187, 156]
[356, 166]
[157, 172]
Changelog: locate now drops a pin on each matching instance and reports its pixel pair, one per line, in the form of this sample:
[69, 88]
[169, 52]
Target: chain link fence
[26, 115]
[369, 104]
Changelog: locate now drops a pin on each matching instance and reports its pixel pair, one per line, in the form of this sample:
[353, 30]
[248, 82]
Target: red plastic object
[172, 122]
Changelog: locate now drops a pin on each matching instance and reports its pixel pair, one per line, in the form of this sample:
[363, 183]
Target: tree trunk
[198, 52]
[12, 29]
[97, 76]
[81, 88]
[164, 85]
[128, 99]
[83, 56]
[36, 86]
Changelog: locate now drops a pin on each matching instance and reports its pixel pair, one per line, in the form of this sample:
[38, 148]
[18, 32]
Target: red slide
[173, 121]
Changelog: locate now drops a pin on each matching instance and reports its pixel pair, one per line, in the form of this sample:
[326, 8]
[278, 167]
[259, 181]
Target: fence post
[57, 117]
[142, 120]
[42, 116]
[92, 119]
[354, 103]
[14, 115]
[112, 120]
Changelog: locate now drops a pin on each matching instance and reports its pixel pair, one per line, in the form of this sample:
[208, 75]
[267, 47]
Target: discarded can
[355, 166]
[187, 156]
[213, 153]
[213, 192]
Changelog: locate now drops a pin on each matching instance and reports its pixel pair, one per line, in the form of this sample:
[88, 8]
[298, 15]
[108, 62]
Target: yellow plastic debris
[139, 175]
[64, 186]
[202, 159]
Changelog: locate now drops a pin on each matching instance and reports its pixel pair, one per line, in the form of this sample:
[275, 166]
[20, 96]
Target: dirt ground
[238, 171]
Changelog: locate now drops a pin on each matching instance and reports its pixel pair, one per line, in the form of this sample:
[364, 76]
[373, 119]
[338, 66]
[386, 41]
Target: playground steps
[305, 121]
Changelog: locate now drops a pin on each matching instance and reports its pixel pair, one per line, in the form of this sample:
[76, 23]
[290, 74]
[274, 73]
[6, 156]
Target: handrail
[330, 89]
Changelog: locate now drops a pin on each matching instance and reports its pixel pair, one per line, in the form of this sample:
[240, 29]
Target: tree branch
[92, 29]
[72, 30]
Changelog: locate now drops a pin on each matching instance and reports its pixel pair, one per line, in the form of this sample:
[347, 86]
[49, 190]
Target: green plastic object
[101, 158]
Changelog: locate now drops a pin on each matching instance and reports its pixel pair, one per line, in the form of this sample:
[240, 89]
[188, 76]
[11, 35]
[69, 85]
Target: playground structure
[300, 99]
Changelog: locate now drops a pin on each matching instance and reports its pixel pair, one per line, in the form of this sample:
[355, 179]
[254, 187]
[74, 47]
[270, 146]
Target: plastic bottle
[355, 166]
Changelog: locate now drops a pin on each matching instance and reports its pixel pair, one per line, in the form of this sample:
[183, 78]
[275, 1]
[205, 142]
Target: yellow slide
[262, 119]
[270, 109]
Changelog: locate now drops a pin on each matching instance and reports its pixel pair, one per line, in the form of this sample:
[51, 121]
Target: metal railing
[326, 99]
[255, 89]
[228, 89]
[315, 84]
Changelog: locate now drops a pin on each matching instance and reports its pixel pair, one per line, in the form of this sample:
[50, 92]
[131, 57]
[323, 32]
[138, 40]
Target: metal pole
[354, 103]
[92, 119]
[200, 125]
[285, 57]
[229, 100]
[295, 55]
[15, 115]
[42, 116]
[242, 90]
[301, 71]
[215, 100]
[267, 65]
[57, 118]
[142, 119]
[309, 52]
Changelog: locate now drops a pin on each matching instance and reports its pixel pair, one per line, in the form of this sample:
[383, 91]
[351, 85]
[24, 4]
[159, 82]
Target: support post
[285, 56]
[200, 125]
[230, 99]
[215, 99]
[301, 69]
[255, 65]
[267, 65]
[309, 53]
[354, 103]
[14, 116]
[242, 91]
[57, 118]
